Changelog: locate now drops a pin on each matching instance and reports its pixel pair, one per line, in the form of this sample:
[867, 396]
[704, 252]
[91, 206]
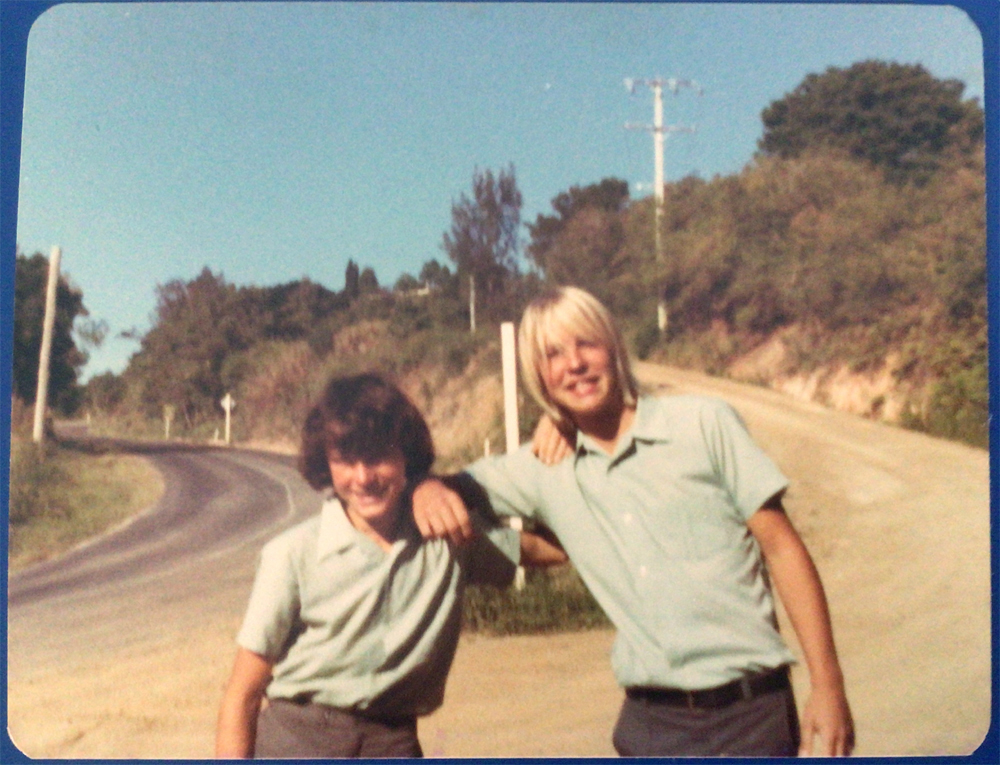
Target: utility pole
[45, 356]
[472, 304]
[659, 131]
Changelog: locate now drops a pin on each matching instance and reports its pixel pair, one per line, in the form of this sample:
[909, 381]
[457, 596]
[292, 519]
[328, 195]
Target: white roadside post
[44, 356]
[509, 366]
[168, 417]
[228, 404]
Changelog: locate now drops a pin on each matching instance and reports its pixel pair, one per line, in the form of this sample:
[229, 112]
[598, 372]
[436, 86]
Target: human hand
[548, 443]
[827, 727]
[440, 513]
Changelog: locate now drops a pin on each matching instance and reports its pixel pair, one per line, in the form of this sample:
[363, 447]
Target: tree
[896, 116]
[367, 281]
[435, 275]
[608, 196]
[579, 244]
[105, 391]
[199, 325]
[406, 283]
[351, 278]
[290, 311]
[483, 241]
[30, 283]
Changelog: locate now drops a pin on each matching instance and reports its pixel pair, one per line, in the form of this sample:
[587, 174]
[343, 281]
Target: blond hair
[572, 311]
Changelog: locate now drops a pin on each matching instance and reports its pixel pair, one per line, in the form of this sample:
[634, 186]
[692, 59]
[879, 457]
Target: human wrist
[829, 681]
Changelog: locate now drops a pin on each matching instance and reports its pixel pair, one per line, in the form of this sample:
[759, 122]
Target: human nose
[362, 473]
[574, 358]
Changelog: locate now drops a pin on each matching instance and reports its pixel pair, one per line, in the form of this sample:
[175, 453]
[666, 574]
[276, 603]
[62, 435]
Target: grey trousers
[765, 726]
[286, 730]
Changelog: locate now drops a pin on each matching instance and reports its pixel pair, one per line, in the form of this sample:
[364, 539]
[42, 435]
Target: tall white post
[658, 167]
[658, 144]
[509, 361]
[44, 356]
[659, 131]
[509, 365]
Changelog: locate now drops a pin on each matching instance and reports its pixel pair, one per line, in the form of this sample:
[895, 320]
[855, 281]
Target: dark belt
[743, 688]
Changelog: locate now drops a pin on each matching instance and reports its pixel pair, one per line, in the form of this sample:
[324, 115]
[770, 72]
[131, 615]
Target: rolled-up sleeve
[274, 604]
[750, 476]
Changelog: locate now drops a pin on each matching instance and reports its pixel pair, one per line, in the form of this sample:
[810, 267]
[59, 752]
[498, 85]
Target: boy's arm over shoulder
[440, 512]
[505, 485]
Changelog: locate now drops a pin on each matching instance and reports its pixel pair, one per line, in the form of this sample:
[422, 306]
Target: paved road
[165, 566]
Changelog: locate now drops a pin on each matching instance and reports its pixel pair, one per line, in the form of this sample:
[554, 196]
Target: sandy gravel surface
[898, 524]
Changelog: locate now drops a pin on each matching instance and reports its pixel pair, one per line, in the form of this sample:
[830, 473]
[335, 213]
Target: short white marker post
[228, 403]
[168, 417]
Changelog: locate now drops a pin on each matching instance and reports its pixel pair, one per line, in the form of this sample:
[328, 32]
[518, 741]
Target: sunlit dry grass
[62, 496]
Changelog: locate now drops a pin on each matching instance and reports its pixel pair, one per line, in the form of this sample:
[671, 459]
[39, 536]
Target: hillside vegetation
[846, 263]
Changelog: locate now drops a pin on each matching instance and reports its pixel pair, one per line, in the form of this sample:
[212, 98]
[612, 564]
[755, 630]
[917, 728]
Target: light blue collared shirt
[657, 531]
[351, 625]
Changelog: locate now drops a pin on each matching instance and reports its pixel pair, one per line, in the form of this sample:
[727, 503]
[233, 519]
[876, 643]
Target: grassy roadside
[552, 600]
[63, 494]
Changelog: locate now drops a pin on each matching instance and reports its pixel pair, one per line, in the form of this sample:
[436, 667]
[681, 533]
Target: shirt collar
[649, 423]
[647, 426]
[336, 533]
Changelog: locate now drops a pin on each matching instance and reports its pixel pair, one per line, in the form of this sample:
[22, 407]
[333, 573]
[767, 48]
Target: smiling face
[578, 375]
[370, 491]
[573, 361]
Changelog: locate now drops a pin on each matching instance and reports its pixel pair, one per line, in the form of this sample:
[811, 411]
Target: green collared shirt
[658, 532]
[356, 627]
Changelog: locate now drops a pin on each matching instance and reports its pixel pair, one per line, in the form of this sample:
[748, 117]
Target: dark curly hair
[365, 418]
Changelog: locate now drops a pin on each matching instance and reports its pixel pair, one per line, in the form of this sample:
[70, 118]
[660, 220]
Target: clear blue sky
[275, 141]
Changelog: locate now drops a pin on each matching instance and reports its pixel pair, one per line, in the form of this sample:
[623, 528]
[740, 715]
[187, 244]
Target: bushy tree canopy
[896, 116]
[603, 200]
[30, 281]
[191, 355]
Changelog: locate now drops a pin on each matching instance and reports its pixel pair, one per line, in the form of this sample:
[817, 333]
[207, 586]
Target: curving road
[120, 648]
[194, 550]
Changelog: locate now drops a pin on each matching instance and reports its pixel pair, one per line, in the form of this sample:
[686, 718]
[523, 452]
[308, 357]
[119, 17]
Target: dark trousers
[764, 726]
[287, 730]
